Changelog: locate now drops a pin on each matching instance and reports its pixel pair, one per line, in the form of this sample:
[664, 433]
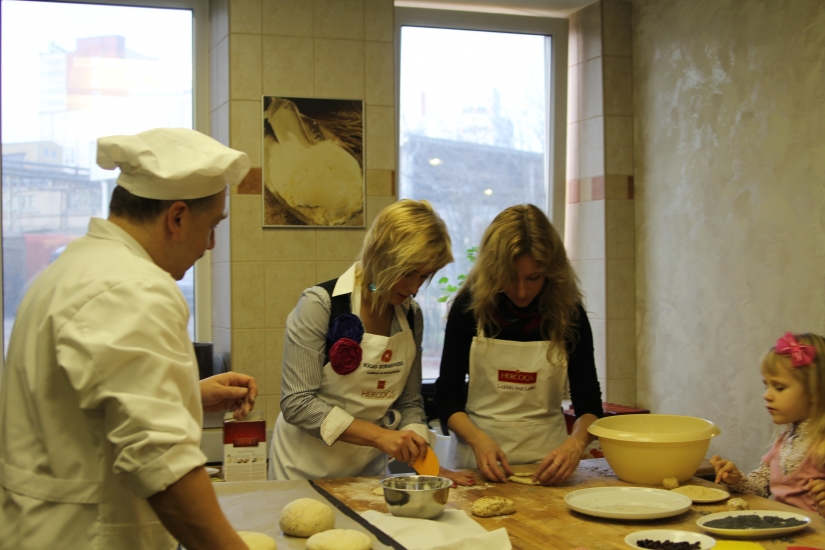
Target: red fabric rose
[345, 356]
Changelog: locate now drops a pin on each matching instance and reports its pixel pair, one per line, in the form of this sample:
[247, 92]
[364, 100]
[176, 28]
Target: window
[481, 113]
[71, 73]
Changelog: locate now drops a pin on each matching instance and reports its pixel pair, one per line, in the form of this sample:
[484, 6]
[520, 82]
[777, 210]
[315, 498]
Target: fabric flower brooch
[344, 337]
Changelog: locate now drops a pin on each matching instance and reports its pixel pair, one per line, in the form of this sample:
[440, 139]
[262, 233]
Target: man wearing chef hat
[100, 404]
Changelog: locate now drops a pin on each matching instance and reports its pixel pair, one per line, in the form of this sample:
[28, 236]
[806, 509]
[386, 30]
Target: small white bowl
[706, 542]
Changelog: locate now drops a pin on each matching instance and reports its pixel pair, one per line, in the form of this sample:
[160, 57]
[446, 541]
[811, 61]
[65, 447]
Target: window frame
[556, 124]
[200, 121]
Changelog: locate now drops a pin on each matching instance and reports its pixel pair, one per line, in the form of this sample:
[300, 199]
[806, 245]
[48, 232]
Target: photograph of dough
[313, 162]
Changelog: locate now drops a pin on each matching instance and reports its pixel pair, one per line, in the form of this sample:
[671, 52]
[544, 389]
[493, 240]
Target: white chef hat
[171, 163]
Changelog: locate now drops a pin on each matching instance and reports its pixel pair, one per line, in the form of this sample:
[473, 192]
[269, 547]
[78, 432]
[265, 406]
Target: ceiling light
[435, 161]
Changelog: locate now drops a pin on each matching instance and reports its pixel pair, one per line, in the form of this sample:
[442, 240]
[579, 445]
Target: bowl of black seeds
[669, 539]
[753, 523]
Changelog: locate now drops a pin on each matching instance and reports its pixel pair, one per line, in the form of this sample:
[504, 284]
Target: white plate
[627, 502]
[212, 471]
[718, 494]
[753, 533]
[705, 542]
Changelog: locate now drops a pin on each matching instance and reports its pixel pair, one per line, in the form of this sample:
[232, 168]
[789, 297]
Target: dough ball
[670, 483]
[738, 504]
[523, 479]
[486, 507]
[339, 539]
[305, 517]
[257, 541]
[379, 491]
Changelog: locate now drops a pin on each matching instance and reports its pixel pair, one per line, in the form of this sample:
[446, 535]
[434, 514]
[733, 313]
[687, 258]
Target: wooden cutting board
[543, 520]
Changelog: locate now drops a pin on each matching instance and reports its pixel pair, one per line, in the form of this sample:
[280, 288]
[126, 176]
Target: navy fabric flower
[346, 325]
[345, 355]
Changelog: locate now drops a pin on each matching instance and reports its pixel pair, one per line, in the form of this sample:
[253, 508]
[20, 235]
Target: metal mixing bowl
[422, 497]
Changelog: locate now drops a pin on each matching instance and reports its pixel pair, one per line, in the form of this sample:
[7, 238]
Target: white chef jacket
[100, 404]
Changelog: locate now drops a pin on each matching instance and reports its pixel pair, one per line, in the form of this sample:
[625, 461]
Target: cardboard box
[244, 448]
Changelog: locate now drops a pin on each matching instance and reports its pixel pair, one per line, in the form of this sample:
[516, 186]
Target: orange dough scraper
[427, 466]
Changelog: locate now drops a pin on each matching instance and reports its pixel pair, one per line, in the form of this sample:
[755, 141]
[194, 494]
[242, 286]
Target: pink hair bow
[800, 354]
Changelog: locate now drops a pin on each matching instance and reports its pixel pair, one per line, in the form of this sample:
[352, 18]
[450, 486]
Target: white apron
[514, 396]
[367, 393]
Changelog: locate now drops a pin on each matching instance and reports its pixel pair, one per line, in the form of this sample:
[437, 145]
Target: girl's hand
[459, 478]
[403, 446]
[726, 471]
[560, 463]
[816, 488]
[488, 455]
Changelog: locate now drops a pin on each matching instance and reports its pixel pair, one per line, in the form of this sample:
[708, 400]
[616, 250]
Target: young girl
[793, 471]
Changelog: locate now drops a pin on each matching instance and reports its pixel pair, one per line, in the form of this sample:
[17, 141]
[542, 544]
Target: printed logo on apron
[387, 357]
[517, 380]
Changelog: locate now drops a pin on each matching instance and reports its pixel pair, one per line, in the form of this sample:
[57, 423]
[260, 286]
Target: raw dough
[339, 539]
[305, 517]
[486, 507]
[523, 479]
[697, 492]
[738, 504]
[257, 541]
[379, 491]
[523, 474]
[670, 483]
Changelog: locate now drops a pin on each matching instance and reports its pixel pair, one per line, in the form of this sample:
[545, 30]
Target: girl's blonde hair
[516, 231]
[812, 377]
[406, 235]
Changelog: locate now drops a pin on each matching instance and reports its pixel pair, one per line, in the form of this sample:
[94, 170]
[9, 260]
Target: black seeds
[667, 545]
[753, 522]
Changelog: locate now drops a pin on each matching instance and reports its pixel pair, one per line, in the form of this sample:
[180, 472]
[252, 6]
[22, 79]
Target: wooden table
[543, 520]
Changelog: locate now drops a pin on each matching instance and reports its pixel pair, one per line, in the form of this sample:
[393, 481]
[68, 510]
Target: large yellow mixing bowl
[646, 448]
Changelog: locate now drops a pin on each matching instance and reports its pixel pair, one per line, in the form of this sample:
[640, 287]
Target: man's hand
[229, 391]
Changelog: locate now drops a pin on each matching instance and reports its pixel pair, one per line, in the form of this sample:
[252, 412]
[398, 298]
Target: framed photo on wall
[313, 162]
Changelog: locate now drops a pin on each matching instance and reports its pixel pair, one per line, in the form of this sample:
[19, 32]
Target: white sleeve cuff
[334, 425]
[423, 431]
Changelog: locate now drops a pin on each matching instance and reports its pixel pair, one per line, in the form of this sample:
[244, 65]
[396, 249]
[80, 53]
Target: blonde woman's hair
[520, 230]
[812, 377]
[405, 236]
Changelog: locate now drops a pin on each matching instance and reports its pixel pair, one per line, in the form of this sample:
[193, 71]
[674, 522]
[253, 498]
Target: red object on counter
[610, 409]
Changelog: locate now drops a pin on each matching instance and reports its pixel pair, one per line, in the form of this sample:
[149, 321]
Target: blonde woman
[518, 329]
[351, 376]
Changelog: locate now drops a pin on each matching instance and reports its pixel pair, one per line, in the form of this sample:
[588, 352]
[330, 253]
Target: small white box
[244, 448]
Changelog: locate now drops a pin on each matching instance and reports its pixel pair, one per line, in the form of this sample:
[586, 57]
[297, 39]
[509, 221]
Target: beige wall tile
[245, 16]
[340, 244]
[572, 229]
[618, 85]
[574, 91]
[592, 147]
[379, 72]
[273, 409]
[621, 348]
[248, 309]
[599, 345]
[222, 338]
[219, 119]
[219, 21]
[289, 244]
[573, 151]
[620, 229]
[376, 205]
[246, 129]
[332, 270]
[339, 69]
[380, 182]
[221, 252]
[585, 189]
[380, 137]
[284, 283]
[621, 391]
[621, 289]
[590, 31]
[591, 276]
[618, 145]
[245, 66]
[616, 187]
[617, 27]
[274, 359]
[378, 20]
[288, 17]
[592, 103]
[248, 355]
[339, 19]
[247, 232]
[573, 39]
[221, 296]
[588, 231]
[220, 75]
[288, 66]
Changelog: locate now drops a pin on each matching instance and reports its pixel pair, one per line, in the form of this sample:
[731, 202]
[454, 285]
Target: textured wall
[729, 105]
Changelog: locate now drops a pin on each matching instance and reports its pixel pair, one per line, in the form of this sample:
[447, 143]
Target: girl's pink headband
[800, 354]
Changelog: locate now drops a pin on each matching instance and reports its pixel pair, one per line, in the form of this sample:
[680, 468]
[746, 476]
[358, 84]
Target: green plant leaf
[443, 280]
